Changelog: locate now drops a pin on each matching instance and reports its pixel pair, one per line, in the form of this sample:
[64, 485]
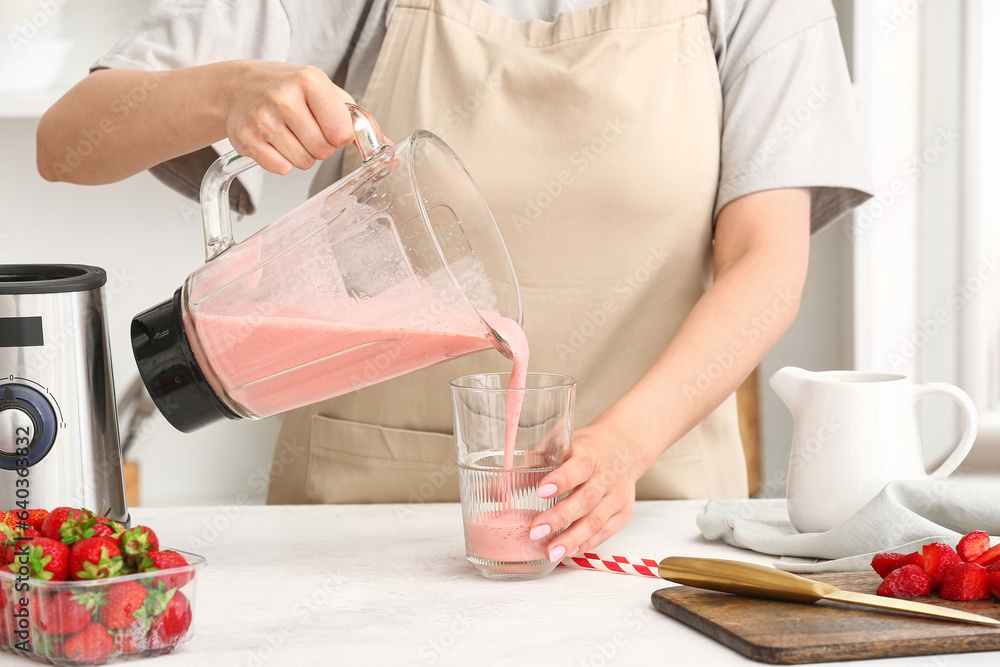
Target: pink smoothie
[271, 365]
[503, 536]
[518, 346]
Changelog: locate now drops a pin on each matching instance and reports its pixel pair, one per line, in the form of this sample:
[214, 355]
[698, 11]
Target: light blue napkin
[905, 516]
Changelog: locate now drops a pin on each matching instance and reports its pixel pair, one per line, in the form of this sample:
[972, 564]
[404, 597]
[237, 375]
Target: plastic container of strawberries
[49, 621]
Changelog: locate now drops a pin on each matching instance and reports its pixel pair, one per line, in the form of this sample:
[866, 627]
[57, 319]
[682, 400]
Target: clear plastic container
[50, 618]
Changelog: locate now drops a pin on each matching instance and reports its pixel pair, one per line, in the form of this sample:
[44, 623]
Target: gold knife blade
[730, 576]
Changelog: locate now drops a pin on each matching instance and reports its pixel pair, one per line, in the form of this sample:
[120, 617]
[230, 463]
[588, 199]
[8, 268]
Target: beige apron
[595, 141]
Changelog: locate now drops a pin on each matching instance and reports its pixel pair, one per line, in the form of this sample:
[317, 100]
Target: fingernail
[538, 532]
[574, 551]
[557, 554]
[547, 490]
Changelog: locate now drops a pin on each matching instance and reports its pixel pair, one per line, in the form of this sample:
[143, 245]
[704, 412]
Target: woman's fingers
[578, 469]
[328, 105]
[294, 111]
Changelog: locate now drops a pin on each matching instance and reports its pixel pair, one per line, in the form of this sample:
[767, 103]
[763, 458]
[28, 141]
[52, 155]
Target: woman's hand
[284, 116]
[761, 250]
[603, 468]
[119, 122]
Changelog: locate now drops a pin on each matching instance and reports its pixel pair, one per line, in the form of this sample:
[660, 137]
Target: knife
[730, 576]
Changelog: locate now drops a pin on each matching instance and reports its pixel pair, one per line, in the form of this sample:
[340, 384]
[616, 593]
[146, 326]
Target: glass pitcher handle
[215, 210]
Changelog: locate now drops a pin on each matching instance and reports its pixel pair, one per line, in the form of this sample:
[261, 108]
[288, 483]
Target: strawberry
[10, 544]
[887, 562]
[988, 557]
[137, 542]
[124, 600]
[69, 525]
[106, 527]
[169, 627]
[91, 645]
[938, 557]
[130, 641]
[166, 560]
[973, 544]
[993, 581]
[965, 581]
[908, 581]
[67, 612]
[10, 520]
[95, 558]
[45, 559]
[37, 518]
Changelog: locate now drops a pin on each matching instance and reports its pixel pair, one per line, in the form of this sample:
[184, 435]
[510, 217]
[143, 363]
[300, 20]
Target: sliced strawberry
[993, 581]
[973, 544]
[95, 558]
[988, 557]
[908, 581]
[965, 581]
[993, 567]
[887, 562]
[124, 600]
[68, 612]
[938, 557]
[92, 645]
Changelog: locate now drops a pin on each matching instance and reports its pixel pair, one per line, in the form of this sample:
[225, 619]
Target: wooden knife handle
[730, 576]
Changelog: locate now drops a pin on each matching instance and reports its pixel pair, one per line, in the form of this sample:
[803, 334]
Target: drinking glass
[500, 501]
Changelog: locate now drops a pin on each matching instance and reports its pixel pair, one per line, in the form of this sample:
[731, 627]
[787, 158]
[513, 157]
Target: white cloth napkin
[905, 516]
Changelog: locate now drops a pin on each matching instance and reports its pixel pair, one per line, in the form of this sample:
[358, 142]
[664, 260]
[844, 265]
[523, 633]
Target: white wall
[148, 239]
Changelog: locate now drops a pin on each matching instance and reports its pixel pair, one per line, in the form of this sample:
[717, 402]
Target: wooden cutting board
[790, 633]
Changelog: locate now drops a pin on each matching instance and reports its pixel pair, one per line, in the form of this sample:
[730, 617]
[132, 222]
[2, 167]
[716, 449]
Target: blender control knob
[28, 426]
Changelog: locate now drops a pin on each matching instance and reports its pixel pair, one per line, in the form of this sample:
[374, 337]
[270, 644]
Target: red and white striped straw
[644, 567]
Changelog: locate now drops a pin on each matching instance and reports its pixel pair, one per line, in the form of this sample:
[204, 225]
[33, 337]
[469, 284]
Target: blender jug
[396, 267]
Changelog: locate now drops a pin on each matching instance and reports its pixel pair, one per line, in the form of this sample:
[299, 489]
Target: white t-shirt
[789, 114]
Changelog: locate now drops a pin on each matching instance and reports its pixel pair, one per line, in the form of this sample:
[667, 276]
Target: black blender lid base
[170, 371]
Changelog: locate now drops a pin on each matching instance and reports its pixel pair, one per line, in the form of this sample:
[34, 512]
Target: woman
[655, 169]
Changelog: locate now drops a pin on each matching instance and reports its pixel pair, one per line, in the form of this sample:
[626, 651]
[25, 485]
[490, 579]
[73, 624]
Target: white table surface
[389, 585]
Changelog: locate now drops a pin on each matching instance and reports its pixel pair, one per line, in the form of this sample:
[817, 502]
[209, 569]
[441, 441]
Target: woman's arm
[117, 123]
[761, 254]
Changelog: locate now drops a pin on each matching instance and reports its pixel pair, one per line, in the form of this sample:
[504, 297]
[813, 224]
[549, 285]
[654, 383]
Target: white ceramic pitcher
[854, 432]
